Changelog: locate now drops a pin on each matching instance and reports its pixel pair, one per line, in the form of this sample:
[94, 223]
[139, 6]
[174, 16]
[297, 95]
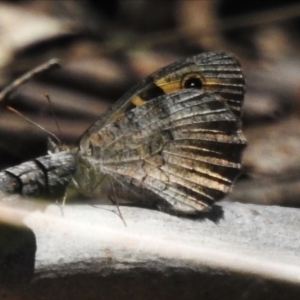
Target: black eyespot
[152, 91]
[193, 83]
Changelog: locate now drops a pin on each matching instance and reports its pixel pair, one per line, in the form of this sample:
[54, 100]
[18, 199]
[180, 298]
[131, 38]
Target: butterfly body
[174, 141]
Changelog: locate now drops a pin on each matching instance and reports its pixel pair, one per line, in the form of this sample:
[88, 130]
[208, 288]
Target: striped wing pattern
[182, 145]
[185, 147]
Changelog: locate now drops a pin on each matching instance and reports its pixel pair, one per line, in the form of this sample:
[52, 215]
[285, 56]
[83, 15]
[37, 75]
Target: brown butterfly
[174, 141]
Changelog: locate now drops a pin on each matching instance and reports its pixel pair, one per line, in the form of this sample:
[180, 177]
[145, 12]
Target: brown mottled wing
[184, 147]
[219, 72]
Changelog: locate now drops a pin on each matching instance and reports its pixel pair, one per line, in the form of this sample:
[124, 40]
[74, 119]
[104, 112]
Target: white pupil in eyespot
[193, 83]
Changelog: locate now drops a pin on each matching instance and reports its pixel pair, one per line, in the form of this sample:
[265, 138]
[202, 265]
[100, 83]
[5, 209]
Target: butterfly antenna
[114, 200]
[32, 122]
[53, 114]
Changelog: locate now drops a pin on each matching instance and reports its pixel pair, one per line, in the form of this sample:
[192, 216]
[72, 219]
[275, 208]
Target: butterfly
[174, 141]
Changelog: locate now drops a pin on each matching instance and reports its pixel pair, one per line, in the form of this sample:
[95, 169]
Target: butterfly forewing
[182, 146]
[219, 72]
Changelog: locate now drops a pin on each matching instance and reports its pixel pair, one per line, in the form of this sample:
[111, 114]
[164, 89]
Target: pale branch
[253, 250]
[40, 177]
[49, 65]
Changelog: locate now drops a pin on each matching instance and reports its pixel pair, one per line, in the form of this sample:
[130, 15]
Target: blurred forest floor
[105, 47]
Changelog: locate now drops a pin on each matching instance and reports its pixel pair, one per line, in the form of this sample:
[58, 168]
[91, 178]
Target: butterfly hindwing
[178, 146]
